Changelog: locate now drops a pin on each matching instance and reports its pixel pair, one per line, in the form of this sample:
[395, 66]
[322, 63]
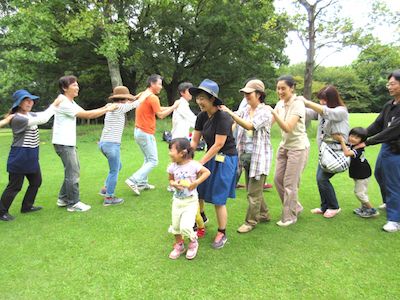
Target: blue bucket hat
[208, 86]
[20, 95]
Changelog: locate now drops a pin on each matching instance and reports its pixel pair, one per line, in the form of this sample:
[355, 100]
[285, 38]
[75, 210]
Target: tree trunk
[310, 62]
[172, 89]
[115, 73]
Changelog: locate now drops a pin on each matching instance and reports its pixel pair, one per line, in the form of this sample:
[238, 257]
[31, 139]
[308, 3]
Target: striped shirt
[261, 155]
[114, 122]
[24, 153]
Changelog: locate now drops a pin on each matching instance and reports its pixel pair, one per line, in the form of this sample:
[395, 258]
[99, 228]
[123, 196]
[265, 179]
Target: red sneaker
[268, 186]
[201, 232]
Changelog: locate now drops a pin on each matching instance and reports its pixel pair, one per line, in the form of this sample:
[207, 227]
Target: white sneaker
[146, 187]
[79, 206]
[170, 189]
[285, 224]
[391, 226]
[382, 206]
[61, 203]
[133, 186]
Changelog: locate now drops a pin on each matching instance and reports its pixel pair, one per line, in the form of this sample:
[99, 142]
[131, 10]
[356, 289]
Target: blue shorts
[221, 184]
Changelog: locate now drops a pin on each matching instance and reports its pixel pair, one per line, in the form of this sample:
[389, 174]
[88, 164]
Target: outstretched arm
[347, 152]
[6, 120]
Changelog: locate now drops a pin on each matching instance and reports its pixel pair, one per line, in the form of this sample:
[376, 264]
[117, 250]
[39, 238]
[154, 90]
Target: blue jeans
[326, 191]
[148, 146]
[113, 153]
[69, 191]
[387, 173]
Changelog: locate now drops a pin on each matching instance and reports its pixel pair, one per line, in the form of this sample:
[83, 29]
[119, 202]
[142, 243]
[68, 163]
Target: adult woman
[255, 150]
[215, 127]
[23, 160]
[386, 130]
[289, 114]
[333, 119]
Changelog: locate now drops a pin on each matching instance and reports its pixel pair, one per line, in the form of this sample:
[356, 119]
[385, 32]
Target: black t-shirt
[219, 123]
[359, 166]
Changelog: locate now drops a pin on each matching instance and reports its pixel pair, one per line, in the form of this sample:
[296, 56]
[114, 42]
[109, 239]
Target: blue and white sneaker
[79, 207]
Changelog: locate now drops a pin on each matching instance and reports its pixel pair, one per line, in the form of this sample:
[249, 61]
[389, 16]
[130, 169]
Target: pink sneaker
[179, 248]
[192, 249]
[330, 213]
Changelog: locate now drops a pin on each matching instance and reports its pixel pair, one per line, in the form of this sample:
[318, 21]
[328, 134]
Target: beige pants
[289, 166]
[361, 189]
[257, 209]
[183, 216]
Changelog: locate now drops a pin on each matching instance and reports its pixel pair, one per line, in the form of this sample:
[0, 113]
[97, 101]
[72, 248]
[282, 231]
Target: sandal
[330, 213]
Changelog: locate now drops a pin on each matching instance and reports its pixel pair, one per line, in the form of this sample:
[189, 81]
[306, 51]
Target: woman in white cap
[255, 150]
[110, 141]
[292, 156]
[215, 126]
[23, 160]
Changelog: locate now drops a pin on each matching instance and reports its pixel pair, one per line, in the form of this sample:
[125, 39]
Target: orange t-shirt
[146, 114]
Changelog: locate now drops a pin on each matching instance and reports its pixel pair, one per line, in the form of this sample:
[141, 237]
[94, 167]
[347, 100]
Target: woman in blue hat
[215, 126]
[23, 160]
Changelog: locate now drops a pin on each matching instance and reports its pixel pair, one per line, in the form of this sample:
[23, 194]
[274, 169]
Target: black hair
[182, 87]
[153, 78]
[360, 132]
[182, 145]
[288, 79]
[395, 74]
[65, 81]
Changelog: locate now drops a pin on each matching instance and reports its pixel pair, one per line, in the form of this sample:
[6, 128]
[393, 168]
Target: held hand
[8, 118]
[58, 100]
[111, 106]
[360, 145]
[269, 108]
[146, 94]
[223, 108]
[338, 137]
[176, 103]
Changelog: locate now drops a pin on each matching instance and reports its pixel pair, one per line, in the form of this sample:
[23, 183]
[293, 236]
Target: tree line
[109, 43]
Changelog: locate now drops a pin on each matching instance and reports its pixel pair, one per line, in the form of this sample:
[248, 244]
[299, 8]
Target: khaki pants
[289, 166]
[361, 189]
[257, 209]
[183, 216]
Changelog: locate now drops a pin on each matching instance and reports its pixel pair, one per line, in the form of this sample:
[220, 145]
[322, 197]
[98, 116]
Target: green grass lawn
[122, 252]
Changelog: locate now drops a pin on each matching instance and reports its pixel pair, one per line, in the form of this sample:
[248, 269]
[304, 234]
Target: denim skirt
[221, 184]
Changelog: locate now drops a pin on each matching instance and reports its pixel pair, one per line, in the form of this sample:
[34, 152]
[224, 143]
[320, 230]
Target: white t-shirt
[64, 128]
[187, 172]
[182, 120]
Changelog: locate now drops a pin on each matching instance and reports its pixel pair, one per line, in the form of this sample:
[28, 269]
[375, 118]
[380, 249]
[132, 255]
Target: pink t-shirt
[188, 172]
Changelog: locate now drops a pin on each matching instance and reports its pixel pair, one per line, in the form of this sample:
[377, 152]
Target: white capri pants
[184, 212]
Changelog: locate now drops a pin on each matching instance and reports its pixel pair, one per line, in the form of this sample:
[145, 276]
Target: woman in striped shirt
[110, 141]
[23, 160]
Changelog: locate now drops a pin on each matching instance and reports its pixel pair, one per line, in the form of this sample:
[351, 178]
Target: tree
[322, 27]
[192, 40]
[373, 66]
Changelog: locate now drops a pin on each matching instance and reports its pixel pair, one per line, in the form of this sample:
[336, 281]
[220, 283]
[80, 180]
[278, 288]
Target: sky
[358, 11]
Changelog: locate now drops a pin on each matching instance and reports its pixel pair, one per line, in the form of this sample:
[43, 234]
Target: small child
[110, 141]
[359, 170]
[185, 175]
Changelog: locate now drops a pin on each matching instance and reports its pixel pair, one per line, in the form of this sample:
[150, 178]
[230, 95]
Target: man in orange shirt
[145, 129]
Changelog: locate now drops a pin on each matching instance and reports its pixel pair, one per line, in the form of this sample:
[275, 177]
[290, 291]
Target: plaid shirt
[261, 156]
